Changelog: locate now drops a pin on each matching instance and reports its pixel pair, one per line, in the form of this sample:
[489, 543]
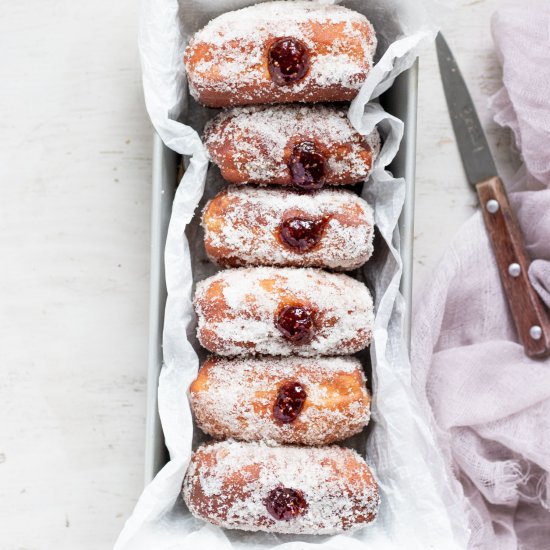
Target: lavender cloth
[490, 403]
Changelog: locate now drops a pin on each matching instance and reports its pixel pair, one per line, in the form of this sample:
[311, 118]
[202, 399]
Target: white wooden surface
[75, 170]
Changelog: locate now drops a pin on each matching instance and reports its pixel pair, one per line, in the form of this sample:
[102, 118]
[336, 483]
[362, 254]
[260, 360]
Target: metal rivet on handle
[492, 206]
[535, 332]
[514, 270]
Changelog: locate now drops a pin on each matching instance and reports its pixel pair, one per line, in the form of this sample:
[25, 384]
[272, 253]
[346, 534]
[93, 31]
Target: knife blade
[528, 311]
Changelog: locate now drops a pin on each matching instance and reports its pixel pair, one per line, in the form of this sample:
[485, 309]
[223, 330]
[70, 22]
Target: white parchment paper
[418, 510]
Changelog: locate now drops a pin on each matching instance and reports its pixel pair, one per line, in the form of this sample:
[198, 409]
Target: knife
[528, 311]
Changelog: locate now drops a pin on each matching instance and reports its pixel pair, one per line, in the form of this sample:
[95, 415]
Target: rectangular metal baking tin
[401, 101]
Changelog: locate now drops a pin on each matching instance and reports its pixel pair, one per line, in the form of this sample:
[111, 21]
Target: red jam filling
[307, 166]
[285, 504]
[295, 323]
[288, 61]
[301, 234]
[290, 402]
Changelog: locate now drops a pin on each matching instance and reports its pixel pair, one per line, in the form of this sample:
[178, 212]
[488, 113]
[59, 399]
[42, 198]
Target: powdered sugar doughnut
[258, 226]
[305, 146]
[283, 311]
[279, 52]
[283, 399]
[300, 490]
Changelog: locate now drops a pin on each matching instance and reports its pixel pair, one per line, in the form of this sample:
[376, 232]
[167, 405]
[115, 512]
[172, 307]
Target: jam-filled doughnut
[259, 226]
[283, 311]
[279, 52]
[300, 490]
[304, 401]
[304, 146]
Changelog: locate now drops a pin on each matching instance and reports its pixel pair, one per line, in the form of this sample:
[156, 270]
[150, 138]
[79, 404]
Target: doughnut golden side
[255, 144]
[252, 399]
[283, 311]
[228, 61]
[255, 226]
[300, 490]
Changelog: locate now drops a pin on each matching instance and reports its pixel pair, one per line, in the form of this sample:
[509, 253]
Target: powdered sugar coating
[227, 60]
[254, 144]
[236, 311]
[235, 398]
[242, 227]
[227, 484]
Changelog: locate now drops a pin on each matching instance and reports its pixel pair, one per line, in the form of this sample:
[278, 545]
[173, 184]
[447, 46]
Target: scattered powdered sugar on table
[259, 139]
[236, 43]
[230, 487]
[236, 399]
[245, 228]
[242, 320]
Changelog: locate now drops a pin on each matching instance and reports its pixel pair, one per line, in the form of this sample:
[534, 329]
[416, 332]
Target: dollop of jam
[290, 402]
[301, 234]
[288, 61]
[295, 323]
[307, 166]
[284, 503]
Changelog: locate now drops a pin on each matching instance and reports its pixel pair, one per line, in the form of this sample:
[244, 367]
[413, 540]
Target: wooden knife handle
[527, 309]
